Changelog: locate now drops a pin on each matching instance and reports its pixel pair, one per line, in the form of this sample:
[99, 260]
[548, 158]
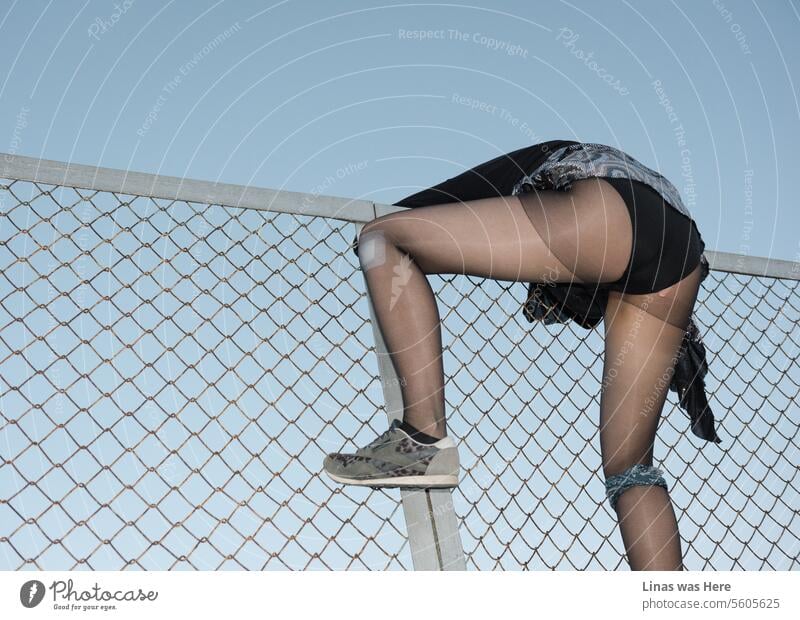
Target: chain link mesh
[173, 374]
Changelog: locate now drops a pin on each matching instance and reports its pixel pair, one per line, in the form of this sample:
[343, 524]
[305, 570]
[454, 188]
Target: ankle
[432, 433]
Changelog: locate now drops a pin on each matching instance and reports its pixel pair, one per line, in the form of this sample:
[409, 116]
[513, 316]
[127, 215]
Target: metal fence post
[431, 520]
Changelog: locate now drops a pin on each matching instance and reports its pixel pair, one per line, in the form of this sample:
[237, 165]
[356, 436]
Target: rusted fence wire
[173, 371]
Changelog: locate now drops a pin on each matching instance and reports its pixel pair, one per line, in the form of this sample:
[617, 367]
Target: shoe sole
[433, 481]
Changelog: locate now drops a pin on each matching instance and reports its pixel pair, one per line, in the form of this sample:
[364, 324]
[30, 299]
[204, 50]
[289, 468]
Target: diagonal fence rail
[177, 356]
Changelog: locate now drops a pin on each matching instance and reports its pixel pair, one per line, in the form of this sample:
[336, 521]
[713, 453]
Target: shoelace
[383, 437]
[376, 442]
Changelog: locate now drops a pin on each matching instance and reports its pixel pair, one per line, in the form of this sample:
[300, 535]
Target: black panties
[666, 244]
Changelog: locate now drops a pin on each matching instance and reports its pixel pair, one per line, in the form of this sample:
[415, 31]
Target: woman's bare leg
[643, 337]
[583, 235]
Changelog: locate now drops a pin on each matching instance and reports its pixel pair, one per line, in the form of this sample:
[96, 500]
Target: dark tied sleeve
[689, 383]
[560, 302]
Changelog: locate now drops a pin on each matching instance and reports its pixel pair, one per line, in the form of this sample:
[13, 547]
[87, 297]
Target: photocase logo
[402, 274]
[31, 593]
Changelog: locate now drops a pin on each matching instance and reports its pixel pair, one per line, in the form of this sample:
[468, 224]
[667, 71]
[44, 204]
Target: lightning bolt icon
[33, 590]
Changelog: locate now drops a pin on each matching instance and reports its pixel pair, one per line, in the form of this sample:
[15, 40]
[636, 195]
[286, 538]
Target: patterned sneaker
[395, 459]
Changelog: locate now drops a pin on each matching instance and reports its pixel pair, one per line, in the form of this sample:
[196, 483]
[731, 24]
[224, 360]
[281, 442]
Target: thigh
[672, 305]
[495, 237]
[643, 335]
[590, 230]
[489, 237]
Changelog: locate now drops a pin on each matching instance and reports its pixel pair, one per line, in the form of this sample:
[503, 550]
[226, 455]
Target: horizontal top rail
[753, 265]
[97, 178]
[183, 189]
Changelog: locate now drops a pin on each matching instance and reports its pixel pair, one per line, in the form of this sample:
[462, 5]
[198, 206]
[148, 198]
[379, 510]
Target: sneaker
[395, 459]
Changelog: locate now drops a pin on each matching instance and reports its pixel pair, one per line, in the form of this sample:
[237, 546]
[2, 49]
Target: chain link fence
[174, 371]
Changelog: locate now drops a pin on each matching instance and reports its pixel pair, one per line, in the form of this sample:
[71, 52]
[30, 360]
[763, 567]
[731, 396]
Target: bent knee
[378, 235]
[392, 225]
[379, 227]
[372, 245]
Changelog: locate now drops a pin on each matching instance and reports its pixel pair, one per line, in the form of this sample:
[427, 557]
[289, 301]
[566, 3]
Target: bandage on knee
[637, 475]
[372, 249]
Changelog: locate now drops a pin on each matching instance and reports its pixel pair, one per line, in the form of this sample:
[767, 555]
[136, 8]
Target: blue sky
[296, 91]
[376, 101]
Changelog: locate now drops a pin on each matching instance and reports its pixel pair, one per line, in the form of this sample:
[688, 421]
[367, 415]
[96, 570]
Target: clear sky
[378, 100]
[293, 91]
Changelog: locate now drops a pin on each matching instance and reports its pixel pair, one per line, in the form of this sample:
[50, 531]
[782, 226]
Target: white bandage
[372, 249]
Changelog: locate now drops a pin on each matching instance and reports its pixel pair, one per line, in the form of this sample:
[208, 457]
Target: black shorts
[666, 244]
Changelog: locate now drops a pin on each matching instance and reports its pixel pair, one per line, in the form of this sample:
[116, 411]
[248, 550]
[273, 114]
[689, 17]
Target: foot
[395, 459]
